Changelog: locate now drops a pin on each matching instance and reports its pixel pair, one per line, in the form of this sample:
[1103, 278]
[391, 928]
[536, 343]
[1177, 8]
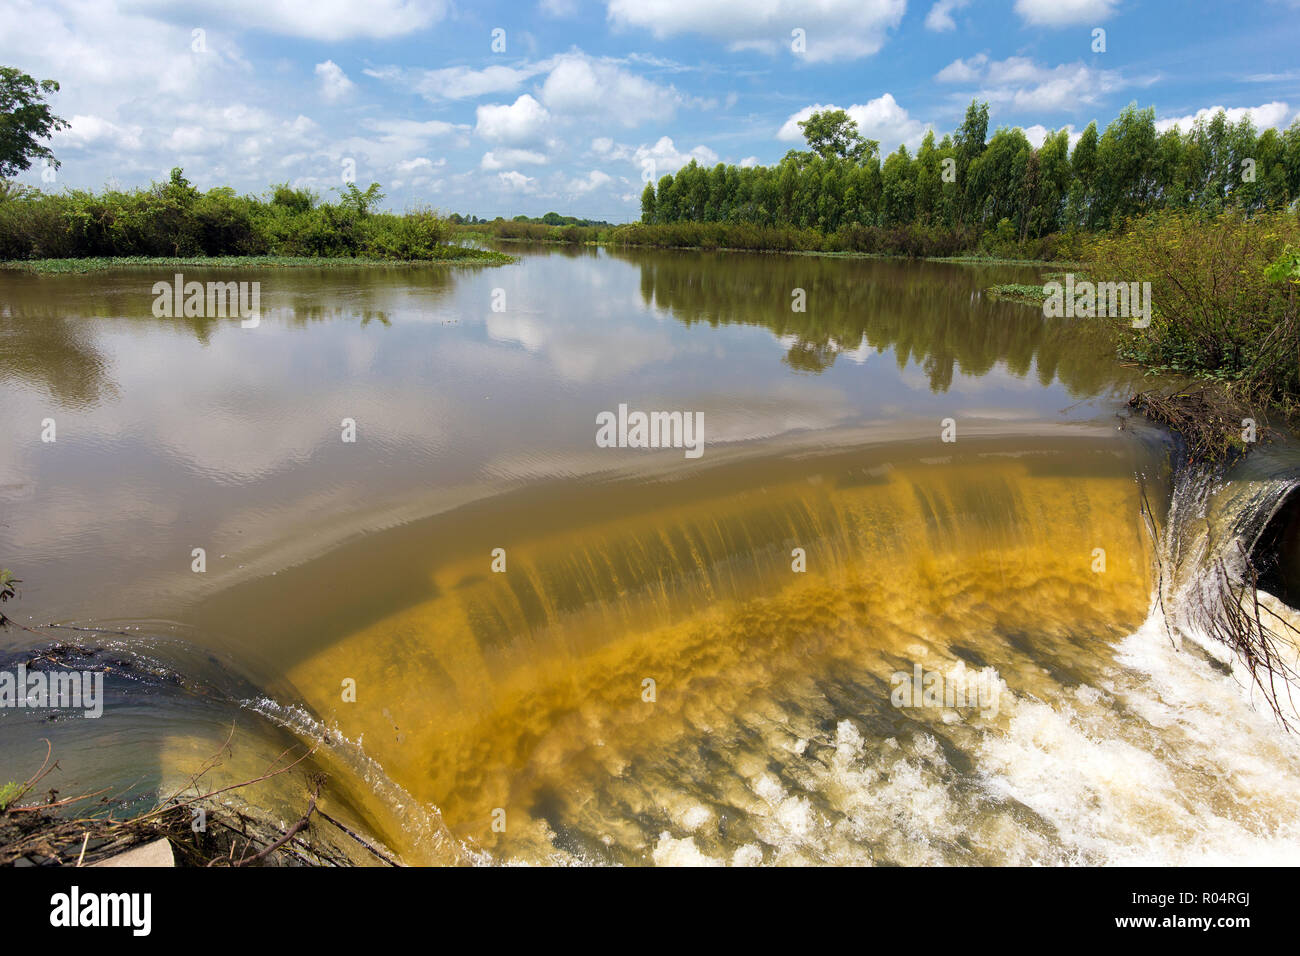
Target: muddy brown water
[684, 660]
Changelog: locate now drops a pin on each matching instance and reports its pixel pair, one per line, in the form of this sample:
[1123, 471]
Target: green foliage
[1001, 196]
[173, 219]
[831, 134]
[1018, 292]
[9, 792]
[25, 119]
[7, 592]
[1224, 303]
[1286, 268]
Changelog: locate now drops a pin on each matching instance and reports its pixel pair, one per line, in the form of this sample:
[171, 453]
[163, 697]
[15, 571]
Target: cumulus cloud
[834, 29]
[521, 122]
[881, 119]
[517, 182]
[1059, 13]
[334, 83]
[580, 85]
[664, 157]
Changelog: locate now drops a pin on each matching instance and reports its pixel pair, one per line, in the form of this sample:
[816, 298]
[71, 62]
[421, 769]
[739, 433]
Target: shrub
[173, 219]
[1221, 308]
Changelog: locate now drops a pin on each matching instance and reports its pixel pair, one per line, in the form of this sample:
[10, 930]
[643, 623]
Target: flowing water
[670, 659]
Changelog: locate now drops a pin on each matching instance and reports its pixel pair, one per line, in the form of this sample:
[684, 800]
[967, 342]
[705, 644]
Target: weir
[524, 690]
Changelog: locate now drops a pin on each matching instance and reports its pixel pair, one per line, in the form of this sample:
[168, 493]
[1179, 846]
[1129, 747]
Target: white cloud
[835, 29]
[748, 162]
[1021, 83]
[593, 180]
[1269, 114]
[420, 162]
[522, 122]
[86, 131]
[334, 83]
[559, 8]
[579, 85]
[939, 19]
[1058, 13]
[517, 181]
[880, 119]
[317, 19]
[666, 158]
[963, 71]
[459, 82]
[501, 158]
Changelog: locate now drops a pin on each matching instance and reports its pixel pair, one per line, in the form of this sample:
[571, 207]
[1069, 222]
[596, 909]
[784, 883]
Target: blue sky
[587, 98]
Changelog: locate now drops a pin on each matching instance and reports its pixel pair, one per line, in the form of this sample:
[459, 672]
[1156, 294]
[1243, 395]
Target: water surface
[522, 694]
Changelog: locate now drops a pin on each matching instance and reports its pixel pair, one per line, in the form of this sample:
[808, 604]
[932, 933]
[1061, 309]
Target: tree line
[969, 181]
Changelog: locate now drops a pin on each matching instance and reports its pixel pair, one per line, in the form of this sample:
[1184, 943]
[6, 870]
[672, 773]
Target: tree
[969, 143]
[648, 203]
[831, 134]
[25, 119]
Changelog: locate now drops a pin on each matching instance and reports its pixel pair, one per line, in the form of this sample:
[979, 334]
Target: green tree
[25, 119]
[831, 134]
[648, 203]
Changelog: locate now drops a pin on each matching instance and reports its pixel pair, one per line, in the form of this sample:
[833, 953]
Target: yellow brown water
[828, 540]
[523, 690]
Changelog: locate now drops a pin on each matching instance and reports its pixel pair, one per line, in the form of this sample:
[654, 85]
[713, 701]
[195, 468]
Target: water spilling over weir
[773, 735]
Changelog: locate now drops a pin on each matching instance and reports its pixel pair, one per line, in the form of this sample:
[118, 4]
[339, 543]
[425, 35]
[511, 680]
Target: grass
[455, 255]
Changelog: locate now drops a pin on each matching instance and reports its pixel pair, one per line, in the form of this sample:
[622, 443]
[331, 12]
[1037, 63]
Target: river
[514, 645]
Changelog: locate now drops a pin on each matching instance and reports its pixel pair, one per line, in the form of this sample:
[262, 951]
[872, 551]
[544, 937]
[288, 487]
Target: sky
[491, 108]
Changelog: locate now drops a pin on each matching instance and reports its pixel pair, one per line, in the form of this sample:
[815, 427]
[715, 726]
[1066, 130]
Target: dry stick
[234, 786]
[96, 630]
[207, 765]
[354, 836]
[59, 803]
[293, 830]
[40, 774]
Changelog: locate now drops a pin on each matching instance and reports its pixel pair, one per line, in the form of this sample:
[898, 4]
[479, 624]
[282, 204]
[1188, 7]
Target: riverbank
[909, 241]
[173, 219]
[193, 827]
[455, 255]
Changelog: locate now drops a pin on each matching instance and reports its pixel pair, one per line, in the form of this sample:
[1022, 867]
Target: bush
[1221, 306]
[173, 219]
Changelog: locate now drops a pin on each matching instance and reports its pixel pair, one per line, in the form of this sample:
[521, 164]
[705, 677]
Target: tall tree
[832, 134]
[648, 203]
[25, 120]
